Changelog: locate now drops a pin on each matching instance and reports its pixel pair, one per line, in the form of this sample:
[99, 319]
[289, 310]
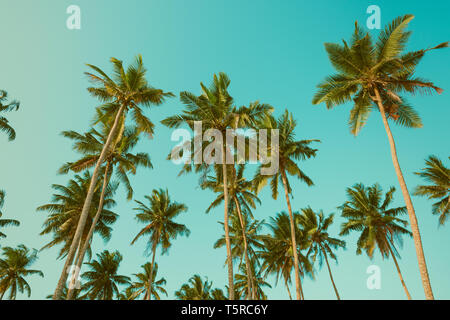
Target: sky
[273, 52]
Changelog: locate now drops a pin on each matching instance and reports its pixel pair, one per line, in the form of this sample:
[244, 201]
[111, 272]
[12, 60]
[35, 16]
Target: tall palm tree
[242, 197]
[367, 212]
[7, 107]
[321, 244]
[215, 109]
[160, 227]
[289, 151]
[65, 211]
[277, 256]
[14, 269]
[124, 93]
[5, 222]
[102, 280]
[195, 289]
[142, 285]
[375, 75]
[439, 177]
[119, 157]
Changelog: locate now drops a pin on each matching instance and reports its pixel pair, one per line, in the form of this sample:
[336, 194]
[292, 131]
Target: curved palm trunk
[250, 286]
[399, 273]
[225, 223]
[82, 252]
[294, 243]
[150, 279]
[412, 215]
[86, 207]
[331, 276]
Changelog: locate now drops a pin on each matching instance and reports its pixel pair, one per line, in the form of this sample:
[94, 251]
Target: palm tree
[65, 211]
[4, 124]
[258, 282]
[242, 197]
[102, 280]
[125, 92]
[119, 157]
[195, 289]
[76, 296]
[160, 227]
[289, 151]
[321, 245]
[5, 222]
[215, 110]
[14, 270]
[374, 76]
[277, 256]
[142, 285]
[367, 212]
[439, 177]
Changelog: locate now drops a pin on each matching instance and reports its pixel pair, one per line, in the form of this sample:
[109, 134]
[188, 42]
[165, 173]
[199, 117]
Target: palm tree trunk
[225, 223]
[302, 295]
[399, 273]
[412, 215]
[294, 243]
[247, 260]
[287, 287]
[150, 279]
[83, 250]
[86, 206]
[331, 275]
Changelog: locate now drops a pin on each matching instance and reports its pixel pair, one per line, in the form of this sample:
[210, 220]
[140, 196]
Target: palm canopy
[319, 242]
[142, 284]
[7, 107]
[195, 289]
[241, 281]
[368, 212]
[119, 155]
[365, 68]
[438, 175]
[290, 150]
[277, 255]
[102, 280]
[65, 210]
[14, 268]
[128, 89]
[158, 217]
[252, 232]
[5, 222]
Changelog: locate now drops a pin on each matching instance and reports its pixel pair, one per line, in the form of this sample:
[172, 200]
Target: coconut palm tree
[320, 243]
[102, 280]
[195, 289]
[258, 282]
[439, 176]
[242, 197]
[375, 75]
[367, 212]
[277, 256]
[215, 110]
[65, 211]
[289, 151]
[14, 269]
[126, 92]
[5, 222]
[76, 296]
[7, 107]
[118, 159]
[160, 227]
[142, 285]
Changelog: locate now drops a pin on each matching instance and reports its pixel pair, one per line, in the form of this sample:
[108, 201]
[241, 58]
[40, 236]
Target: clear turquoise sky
[273, 52]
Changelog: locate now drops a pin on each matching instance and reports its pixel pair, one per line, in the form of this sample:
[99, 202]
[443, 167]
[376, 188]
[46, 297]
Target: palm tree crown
[439, 177]
[14, 269]
[7, 107]
[5, 222]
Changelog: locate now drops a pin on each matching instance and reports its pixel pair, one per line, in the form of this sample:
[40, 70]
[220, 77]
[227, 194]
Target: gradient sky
[273, 52]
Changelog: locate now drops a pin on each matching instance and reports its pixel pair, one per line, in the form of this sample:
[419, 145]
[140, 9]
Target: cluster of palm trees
[374, 75]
